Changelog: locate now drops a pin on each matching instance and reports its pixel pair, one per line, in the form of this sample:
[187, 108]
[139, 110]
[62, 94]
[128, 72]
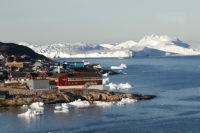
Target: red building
[77, 80]
[21, 76]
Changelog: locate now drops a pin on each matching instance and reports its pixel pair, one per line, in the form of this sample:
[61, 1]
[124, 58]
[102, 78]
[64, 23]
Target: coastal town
[27, 77]
[41, 74]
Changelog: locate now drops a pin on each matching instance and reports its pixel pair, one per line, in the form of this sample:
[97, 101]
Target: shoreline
[19, 97]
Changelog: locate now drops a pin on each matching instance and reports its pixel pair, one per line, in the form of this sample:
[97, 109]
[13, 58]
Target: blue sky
[97, 21]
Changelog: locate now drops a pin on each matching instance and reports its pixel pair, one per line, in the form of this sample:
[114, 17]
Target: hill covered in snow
[148, 46]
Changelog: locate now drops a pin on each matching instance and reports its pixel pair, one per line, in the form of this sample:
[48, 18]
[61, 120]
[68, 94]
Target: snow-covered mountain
[148, 46]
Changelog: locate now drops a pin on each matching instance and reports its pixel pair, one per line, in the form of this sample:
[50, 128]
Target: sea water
[174, 80]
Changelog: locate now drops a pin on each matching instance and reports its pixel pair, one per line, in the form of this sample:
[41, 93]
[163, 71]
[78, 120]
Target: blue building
[75, 64]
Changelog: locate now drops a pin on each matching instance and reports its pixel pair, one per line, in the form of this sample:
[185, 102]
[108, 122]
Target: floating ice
[67, 105]
[105, 80]
[118, 103]
[105, 74]
[122, 66]
[58, 107]
[124, 86]
[31, 113]
[103, 104]
[63, 108]
[35, 109]
[113, 86]
[126, 101]
[37, 106]
[80, 104]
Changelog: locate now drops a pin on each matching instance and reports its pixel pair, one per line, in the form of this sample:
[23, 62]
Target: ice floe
[113, 86]
[105, 74]
[123, 101]
[102, 103]
[80, 104]
[106, 80]
[35, 109]
[37, 106]
[64, 107]
[126, 101]
[122, 66]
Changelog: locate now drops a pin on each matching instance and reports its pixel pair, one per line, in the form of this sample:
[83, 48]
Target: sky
[97, 21]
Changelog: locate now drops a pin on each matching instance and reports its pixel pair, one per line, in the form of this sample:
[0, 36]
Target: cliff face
[12, 48]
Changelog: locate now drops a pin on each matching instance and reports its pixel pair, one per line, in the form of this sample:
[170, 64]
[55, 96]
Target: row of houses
[38, 74]
[58, 80]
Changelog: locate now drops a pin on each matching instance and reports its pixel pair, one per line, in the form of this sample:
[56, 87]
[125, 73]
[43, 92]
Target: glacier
[152, 45]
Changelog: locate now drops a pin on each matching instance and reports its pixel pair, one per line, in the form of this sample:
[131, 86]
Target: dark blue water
[175, 81]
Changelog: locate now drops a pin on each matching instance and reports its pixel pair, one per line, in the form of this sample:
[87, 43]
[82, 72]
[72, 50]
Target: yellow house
[15, 64]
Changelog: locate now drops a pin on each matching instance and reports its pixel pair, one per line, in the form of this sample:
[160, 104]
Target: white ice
[37, 106]
[79, 103]
[123, 101]
[123, 86]
[102, 103]
[152, 45]
[122, 66]
[105, 80]
[126, 101]
[105, 74]
[35, 109]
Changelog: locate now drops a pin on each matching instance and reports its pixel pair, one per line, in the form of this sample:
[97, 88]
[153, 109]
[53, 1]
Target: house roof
[37, 64]
[57, 75]
[84, 75]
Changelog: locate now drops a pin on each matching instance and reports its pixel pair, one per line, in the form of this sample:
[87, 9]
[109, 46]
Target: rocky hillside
[12, 48]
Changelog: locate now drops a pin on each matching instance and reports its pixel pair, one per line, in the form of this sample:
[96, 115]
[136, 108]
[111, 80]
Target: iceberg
[67, 105]
[123, 86]
[35, 109]
[37, 106]
[103, 104]
[122, 66]
[105, 75]
[105, 80]
[123, 101]
[152, 45]
[80, 104]
[126, 101]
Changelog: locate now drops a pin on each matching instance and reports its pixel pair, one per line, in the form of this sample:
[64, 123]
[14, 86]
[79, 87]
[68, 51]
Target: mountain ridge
[12, 48]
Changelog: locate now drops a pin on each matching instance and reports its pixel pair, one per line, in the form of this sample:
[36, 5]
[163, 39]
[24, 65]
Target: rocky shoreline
[20, 97]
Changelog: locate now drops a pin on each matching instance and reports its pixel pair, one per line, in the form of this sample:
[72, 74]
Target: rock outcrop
[20, 97]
